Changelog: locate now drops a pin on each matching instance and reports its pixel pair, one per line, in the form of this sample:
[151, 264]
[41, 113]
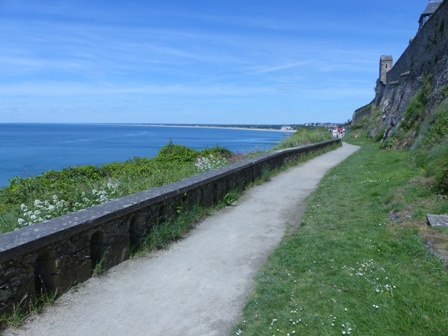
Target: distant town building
[430, 9]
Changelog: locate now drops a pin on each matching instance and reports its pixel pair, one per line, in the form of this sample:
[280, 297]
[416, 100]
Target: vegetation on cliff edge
[27, 201]
[424, 131]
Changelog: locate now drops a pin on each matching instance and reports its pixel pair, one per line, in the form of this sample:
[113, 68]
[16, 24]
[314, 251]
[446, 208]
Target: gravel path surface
[199, 285]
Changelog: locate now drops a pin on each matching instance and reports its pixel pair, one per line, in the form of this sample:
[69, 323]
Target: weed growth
[305, 136]
[431, 153]
[416, 111]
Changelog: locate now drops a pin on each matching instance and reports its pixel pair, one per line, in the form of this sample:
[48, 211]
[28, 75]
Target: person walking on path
[198, 286]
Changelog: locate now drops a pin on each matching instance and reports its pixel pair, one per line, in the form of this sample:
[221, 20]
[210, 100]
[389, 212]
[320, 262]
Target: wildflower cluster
[346, 329]
[296, 324]
[42, 211]
[45, 210]
[97, 196]
[210, 162]
[374, 275]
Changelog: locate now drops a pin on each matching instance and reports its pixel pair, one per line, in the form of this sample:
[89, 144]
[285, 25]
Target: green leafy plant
[417, 108]
[176, 153]
[99, 267]
[209, 162]
[389, 143]
[231, 198]
[305, 136]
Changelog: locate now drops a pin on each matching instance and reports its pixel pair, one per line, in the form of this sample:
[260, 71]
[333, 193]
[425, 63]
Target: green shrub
[441, 177]
[379, 136]
[357, 126]
[431, 152]
[217, 150]
[439, 131]
[388, 144]
[444, 91]
[435, 163]
[416, 109]
[176, 153]
[304, 136]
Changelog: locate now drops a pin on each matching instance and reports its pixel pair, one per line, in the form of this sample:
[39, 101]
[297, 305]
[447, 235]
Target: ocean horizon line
[248, 127]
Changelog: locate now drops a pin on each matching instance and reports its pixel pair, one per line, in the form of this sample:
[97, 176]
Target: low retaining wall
[54, 255]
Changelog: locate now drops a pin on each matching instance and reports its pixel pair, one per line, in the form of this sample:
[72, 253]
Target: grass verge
[357, 264]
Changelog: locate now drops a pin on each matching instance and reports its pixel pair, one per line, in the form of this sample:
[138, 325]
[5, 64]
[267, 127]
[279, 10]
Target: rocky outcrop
[422, 67]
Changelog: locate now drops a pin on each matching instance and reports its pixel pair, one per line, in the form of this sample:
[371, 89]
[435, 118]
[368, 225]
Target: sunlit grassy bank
[357, 264]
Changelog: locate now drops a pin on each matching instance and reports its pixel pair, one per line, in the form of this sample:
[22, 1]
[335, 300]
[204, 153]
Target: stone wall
[54, 255]
[360, 114]
[425, 57]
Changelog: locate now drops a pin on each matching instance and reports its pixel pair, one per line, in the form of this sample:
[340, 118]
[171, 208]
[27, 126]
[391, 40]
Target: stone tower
[386, 63]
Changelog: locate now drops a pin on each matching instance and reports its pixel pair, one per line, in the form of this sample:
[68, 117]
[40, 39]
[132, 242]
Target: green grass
[356, 265]
[305, 136]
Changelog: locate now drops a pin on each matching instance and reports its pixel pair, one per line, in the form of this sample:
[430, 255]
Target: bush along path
[198, 285]
[356, 265]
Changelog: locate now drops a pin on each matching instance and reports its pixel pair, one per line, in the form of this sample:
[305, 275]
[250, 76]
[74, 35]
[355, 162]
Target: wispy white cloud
[275, 68]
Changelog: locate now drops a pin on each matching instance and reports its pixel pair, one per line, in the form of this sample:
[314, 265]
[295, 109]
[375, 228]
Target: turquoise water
[30, 149]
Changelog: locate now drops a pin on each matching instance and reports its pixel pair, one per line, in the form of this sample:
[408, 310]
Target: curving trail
[199, 285]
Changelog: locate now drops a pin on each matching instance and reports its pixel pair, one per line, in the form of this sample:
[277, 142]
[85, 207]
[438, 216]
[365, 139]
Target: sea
[31, 149]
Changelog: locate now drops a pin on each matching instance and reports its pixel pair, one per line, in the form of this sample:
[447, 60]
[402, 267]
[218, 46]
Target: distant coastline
[233, 127]
[289, 128]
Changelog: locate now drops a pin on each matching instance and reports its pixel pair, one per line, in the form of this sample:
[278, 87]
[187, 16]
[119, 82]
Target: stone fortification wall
[360, 114]
[427, 49]
[54, 255]
[425, 57]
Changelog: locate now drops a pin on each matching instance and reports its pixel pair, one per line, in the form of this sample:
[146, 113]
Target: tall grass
[305, 136]
[431, 151]
[356, 265]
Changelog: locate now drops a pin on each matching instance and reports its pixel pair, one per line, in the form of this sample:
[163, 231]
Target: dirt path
[199, 286]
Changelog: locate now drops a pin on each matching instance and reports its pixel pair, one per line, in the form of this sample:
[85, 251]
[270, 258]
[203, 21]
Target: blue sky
[221, 62]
